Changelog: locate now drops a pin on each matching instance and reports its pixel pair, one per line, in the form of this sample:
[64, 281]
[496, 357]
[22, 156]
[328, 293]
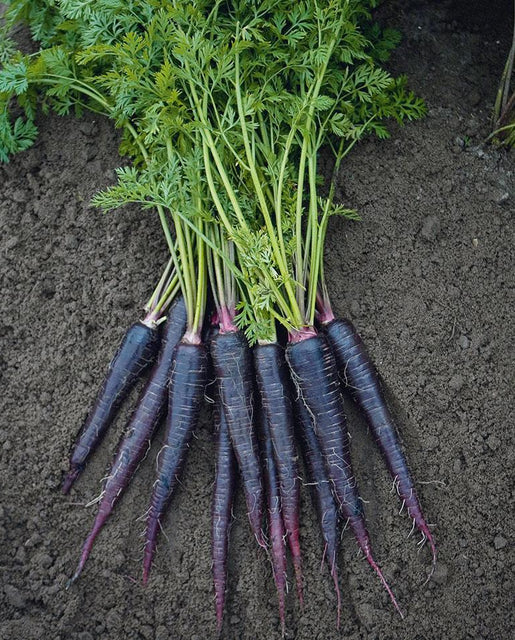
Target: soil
[427, 277]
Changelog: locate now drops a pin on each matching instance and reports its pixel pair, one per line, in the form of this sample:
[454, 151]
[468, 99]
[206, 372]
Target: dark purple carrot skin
[186, 392]
[315, 374]
[136, 353]
[232, 361]
[360, 376]
[273, 382]
[321, 493]
[148, 413]
[221, 512]
[276, 528]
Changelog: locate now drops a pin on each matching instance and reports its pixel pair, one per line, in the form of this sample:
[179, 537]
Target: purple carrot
[232, 362]
[135, 354]
[223, 496]
[274, 387]
[186, 391]
[315, 374]
[359, 375]
[321, 493]
[276, 528]
[149, 411]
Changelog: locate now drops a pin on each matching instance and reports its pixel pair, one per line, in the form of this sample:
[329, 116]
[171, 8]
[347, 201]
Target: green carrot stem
[157, 291]
[189, 284]
[218, 279]
[276, 241]
[208, 139]
[169, 295]
[201, 285]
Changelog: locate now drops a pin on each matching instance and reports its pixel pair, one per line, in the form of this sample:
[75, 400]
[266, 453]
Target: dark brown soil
[428, 279]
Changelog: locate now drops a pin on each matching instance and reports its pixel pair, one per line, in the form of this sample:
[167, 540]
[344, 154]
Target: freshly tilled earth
[427, 277]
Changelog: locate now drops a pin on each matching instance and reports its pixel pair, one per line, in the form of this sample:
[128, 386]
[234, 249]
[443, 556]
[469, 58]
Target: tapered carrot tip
[88, 545]
[219, 622]
[70, 478]
[338, 605]
[73, 578]
[294, 544]
[299, 581]
[219, 603]
[78, 571]
[334, 576]
[427, 537]
[150, 546]
[147, 563]
[385, 584]
[282, 615]
[338, 597]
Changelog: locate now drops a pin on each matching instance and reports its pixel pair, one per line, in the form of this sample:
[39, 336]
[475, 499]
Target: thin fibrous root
[385, 584]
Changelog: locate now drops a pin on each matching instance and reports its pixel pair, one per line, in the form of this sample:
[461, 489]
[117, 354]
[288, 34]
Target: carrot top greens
[224, 107]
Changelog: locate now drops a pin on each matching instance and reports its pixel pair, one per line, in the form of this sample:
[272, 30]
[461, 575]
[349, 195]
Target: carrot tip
[429, 538]
[299, 581]
[282, 615]
[334, 575]
[69, 480]
[73, 578]
[385, 584]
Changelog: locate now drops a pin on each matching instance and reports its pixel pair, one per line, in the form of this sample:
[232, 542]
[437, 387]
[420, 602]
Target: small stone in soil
[456, 382]
[464, 342]
[500, 542]
[430, 228]
[493, 442]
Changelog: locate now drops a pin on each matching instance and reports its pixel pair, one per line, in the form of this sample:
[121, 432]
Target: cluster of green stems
[273, 166]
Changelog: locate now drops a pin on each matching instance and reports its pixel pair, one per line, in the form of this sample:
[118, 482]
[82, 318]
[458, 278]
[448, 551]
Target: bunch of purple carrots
[225, 107]
[271, 400]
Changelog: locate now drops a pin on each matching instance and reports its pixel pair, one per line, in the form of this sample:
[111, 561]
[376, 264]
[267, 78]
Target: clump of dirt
[427, 277]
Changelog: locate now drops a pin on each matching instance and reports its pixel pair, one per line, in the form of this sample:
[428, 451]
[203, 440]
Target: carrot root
[359, 375]
[186, 392]
[314, 371]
